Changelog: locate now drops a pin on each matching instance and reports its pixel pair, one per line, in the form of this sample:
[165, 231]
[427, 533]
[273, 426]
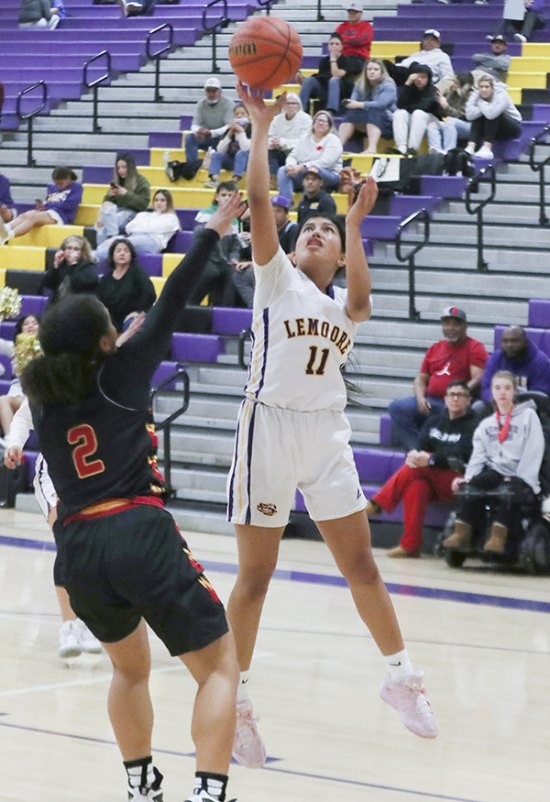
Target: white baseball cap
[212, 83]
[354, 7]
[432, 32]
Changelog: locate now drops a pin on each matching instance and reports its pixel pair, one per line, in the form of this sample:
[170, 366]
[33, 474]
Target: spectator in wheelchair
[507, 456]
[444, 446]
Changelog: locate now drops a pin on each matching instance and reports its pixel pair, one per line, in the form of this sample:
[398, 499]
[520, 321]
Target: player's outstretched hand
[364, 203]
[12, 457]
[224, 215]
[257, 108]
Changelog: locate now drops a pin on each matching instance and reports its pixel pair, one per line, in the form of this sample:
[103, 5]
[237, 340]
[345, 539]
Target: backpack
[187, 170]
[458, 160]
[534, 549]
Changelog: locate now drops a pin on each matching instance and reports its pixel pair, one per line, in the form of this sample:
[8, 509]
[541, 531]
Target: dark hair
[131, 177]
[459, 383]
[338, 220]
[61, 173]
[464, 78]
[230, 186]
[169, 199]
[335, 35]
[70, 331]
[20, 321]
[111, 252]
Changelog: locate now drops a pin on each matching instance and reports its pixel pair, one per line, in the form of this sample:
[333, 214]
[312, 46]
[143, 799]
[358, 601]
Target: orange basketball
[265, 52]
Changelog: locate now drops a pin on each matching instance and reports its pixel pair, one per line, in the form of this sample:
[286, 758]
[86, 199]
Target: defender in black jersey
[124, 561]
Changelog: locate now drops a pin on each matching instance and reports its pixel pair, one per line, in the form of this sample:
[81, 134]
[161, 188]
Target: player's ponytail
[70, 334]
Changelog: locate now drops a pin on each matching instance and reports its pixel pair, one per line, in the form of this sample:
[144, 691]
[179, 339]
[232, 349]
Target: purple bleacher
[165, 139]
[6, 371]
[7, 329]
[151, 263]
[186, 218]
[385, 430]
[380, 227]
[30, 460]
[230, 321]
[376, 465]
[33, 304]
[443, 186]
[197, 347]
[405, 205]
[536, 336]
[539, 313]
[180, 242]
[164, 372]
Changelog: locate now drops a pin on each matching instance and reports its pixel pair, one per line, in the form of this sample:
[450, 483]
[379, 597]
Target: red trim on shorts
[112, 506]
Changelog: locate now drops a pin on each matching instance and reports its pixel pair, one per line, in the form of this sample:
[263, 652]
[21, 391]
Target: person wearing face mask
[232, 151]
[73, 269]
[212, 116]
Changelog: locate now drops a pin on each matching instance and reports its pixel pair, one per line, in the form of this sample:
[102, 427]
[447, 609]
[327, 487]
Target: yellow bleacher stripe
[22, 257]
[158, 284]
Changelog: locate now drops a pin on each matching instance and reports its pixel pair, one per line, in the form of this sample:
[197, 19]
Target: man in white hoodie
[430, 55]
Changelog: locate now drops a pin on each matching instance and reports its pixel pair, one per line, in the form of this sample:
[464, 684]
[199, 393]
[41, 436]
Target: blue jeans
[237, 163]
[113, 221]
[407, 420]
[192, 145]
[290, 184]
[314, 88]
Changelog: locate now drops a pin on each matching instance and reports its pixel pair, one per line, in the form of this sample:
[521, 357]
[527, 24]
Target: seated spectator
[315, 199]
[533, 19]
[455, 358]
[60, 207]
[443, 135]
[129, 194]
[150, 231]
[418, 104]
[319, 148]
[135, 8]
[73, 269]
[286, 129]
[444, 447]
[493, 116]
[519, 356]
[332, 82]
[243, 277]
[125, 288]
[496, 63]
[212, 116]
[7, 206]
[357, 35]
[231, 152]
[430, 55]
[507, 456]
[216, 280]
[371, 106]
[26, 325]
[38, 14]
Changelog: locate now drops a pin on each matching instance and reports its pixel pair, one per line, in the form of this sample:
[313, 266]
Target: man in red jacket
[357, 35]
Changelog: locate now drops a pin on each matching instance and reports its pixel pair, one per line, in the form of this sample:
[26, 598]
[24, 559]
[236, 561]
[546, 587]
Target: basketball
[265, 52]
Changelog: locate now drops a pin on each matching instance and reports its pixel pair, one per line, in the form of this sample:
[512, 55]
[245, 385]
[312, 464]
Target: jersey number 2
[319, 369]
[85, 440]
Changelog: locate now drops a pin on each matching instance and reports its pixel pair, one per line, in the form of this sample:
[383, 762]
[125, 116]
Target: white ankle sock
[242, 688]
[399, 664]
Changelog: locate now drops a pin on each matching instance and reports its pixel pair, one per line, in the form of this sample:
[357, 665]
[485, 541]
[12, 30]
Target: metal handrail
[96, 83]
[165, 426]
[214, 29]
[167, 26]
[267, 5]
[31, 115]
[473, 186]
[244, 336]
[539, 167]
[422, 215]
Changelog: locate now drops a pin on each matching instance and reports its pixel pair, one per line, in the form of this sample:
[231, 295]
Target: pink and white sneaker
[248, 747]
[408, 697]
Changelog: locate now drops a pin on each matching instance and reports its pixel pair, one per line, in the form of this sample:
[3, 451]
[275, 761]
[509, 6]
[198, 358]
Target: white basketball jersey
[302, 337]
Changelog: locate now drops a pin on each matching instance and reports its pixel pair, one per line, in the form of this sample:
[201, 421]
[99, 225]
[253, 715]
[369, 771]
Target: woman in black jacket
[125, 288]
[418, 104]
[73, 269]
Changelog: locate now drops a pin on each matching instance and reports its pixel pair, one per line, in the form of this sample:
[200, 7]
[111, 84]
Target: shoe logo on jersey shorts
[267, 509]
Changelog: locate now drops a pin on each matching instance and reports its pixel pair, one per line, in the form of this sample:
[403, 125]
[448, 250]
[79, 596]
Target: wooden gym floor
[482, 637]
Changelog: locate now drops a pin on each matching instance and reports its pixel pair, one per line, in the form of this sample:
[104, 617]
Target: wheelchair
[528, 542]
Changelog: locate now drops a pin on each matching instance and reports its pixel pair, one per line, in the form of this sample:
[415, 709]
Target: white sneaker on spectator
[123, 9]
[54, 22]
[408, 697]
[484, 153]
[470, 149]
[87, 640]
[248, 747]
[519, 37]
[4, 233]
[69, 640]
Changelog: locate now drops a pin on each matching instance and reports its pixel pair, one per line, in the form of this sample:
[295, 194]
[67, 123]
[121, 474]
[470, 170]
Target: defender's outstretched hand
[364, 203]
[222, 218]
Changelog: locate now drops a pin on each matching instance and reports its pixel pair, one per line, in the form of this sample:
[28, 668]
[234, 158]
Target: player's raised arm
[265, 241]
[357, 268]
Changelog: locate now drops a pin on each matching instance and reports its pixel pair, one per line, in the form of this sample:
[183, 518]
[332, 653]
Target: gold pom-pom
[10, 303]
[27, 347]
